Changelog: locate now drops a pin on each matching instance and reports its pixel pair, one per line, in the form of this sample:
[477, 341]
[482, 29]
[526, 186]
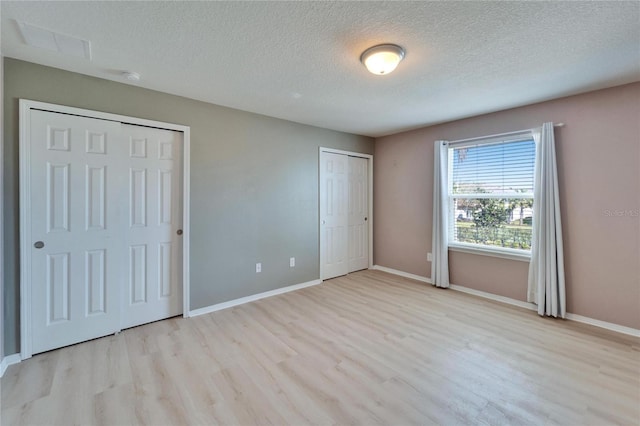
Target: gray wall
[254, 184]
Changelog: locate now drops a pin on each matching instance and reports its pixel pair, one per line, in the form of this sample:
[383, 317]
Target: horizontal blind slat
[494, 168]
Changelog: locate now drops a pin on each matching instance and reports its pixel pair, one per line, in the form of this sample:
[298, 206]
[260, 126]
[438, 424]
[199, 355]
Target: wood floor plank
[368, 348]
[21, 385]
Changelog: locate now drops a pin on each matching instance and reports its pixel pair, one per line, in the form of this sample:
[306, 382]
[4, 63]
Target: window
[491, 194]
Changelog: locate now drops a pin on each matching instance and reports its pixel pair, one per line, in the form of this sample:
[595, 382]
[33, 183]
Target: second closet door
[344, 207]
[334, 220]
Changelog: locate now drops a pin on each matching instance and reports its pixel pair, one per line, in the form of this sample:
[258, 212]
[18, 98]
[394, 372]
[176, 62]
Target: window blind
[504, 168]
[491, 192]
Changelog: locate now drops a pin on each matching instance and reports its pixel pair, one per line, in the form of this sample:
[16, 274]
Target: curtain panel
[440, 243]
[546, 284]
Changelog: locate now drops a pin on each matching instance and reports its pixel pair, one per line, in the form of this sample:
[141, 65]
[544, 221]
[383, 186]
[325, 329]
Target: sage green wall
[254, 184]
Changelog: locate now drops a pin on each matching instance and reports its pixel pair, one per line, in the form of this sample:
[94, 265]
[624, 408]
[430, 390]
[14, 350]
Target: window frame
[482, 249]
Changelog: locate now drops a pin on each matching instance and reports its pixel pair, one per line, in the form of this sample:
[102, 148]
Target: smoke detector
[131, 75]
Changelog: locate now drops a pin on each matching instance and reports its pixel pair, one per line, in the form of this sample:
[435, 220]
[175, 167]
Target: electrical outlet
[429, 257]
[292, 262]
[258, 268]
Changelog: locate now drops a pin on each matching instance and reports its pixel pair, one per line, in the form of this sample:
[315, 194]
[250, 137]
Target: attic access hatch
[55, 42]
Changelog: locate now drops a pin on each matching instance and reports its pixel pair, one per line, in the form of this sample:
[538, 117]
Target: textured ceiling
[300, 60]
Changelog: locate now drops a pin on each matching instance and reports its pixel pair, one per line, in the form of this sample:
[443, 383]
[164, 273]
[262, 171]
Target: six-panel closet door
[358, 214]
[344, 206]
[334, 220]
[105, 215]
[76, 248]
[153, 219]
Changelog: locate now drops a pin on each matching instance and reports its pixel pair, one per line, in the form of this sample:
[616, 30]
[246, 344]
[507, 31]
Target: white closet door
[333, 214]
[153, 241]
[358, 241]
[76, 255]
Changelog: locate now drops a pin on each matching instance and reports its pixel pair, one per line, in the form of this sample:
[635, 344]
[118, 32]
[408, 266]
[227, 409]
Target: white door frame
[369, 157]
[2, 324]
[25, 202]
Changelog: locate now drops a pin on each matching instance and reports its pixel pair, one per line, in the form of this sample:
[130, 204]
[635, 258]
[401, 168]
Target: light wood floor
[369, 348]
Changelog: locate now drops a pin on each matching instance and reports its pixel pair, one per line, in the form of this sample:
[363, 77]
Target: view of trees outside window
[492, 194]
[494, 222]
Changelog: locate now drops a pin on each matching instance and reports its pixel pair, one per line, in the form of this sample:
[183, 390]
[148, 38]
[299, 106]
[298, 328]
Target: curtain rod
[497, 135]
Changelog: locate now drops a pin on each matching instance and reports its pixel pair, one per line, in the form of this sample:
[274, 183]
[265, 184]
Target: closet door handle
[38, 244]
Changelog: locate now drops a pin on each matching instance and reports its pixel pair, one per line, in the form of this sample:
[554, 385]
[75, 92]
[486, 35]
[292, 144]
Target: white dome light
[382, 59]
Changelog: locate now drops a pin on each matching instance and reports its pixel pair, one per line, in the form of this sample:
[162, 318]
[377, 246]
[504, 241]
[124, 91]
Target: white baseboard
[401, 273]
[7, 361]
[603, 324]
[571, 317]
[252, 298]
[491, 296]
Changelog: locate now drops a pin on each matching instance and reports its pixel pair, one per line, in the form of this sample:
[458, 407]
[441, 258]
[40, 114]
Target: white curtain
[546, 270]
[439, 244]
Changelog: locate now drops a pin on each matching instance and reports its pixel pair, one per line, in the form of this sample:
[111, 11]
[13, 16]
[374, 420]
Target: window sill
[510, 254]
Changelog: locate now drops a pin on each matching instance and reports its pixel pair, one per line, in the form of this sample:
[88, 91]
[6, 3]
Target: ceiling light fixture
[382, 59]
